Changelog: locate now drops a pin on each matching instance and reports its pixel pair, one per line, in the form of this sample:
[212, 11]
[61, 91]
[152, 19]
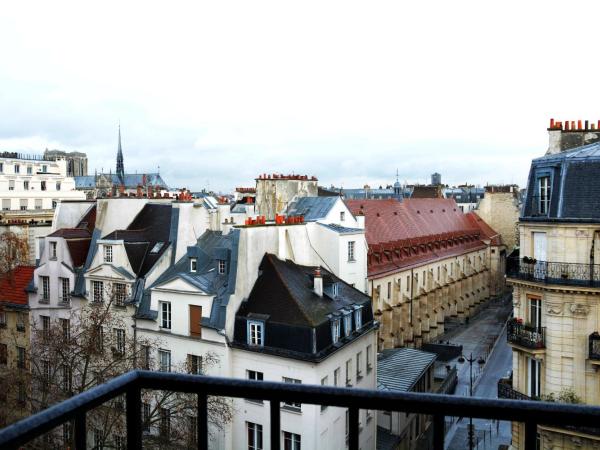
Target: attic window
[335, 330]
[358, 318]
[222, 266]
[256, 333]
[342, 216]
[193, 265]
[347, 324]
[157, 247]
[335, 288]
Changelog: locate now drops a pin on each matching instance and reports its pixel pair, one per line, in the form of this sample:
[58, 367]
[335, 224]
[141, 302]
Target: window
[292, 405]
[335, 330]
[108, 253]
[21, 357]
[11, 185]
[196, 321]
[369, 358]
[98, 441]
[359, 365]
[193, 264]
[46, 370]
[145, 357]
[164, 357]
[45, 325]
[17, 168]
[146, 416]
[99, 338]
[66, 378]
[67, 434]
[38, 203]
[97, 291]
[58, 185]
[358, 318]
[43, 185]
[351, 251]
[1, 167]
[347, 324]
[2, 319]
[222, 266]
[44, 168]
[256, 333]
[22, 393]
[291, 441]
[54, 203]
[349, 373]
[45, 288]
[255, 436]
[544, 194]
[165, 315]
[3, 354]
[256, 376]
[65, 290]
[342, 216]
[120, 293]
[335, 289]
[533, 377]
[535, 312]
[194, 363]
[25, 185]
[29, 170]
[407, 283]
[20, 321]
[336, 377]
[389, 290]
[65, 325]
[120, 340]
[6, 204]
[165, 422]
[324, 382]
[119, 443]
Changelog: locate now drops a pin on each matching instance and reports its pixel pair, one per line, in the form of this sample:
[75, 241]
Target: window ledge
[255, 402]
[291, 409]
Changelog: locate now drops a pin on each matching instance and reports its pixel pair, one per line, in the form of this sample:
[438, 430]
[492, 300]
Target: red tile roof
[12, 286]
[487, 232]
[414, 231]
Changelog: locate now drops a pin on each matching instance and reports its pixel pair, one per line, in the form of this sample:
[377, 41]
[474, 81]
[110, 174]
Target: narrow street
[478, 339]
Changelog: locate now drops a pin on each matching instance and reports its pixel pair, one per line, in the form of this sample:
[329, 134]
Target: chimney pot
[551, 123]
[567, 125]
[318, 282]
[579, 124]
[572, 125]
[587, 125]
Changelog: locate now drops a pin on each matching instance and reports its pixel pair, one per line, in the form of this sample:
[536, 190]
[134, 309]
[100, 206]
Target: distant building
[466, 197]
[499, 208]
[120, 183]
[77, 162]
[275, 192]
[436, 179]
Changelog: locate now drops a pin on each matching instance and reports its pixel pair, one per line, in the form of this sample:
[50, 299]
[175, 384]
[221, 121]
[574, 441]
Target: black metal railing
[525, 335]
[594, 346]
[505, 390]
[570, 274]
[438, 406]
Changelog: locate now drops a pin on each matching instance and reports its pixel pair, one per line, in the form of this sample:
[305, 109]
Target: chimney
[572, 135]
[360, 218]
[318, 282]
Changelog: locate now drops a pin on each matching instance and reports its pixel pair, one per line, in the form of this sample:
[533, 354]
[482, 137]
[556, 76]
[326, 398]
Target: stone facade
[500, 210]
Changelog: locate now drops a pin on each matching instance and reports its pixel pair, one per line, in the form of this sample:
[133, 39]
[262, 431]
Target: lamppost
[481, 362]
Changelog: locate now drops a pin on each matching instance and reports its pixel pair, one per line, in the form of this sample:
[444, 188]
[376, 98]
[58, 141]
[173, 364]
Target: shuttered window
[195, 321]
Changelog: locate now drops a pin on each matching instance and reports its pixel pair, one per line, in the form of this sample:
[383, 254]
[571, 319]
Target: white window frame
[369, 358]
[108, 253]
[351, 251]
[349, 373]
[292, 405]
[358, 318]
[194, 360]
[335, 329]
[65, 290]
[254, 432]
[342, 216]
[193, 265]
[53, 246]
[256, 333]
[347, 324]
[222, 266]
[165, 315]
[97, 291]
[120, 340]
[544, 194]
[45, 288]
[119, 293]
[291, 441]
[164, 360]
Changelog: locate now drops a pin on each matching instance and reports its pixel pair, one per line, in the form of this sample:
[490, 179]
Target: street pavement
[478, 339]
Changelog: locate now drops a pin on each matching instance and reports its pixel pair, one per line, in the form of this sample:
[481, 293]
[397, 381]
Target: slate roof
[210, 247]
[79, 239]
[575, 186]
[340, 229]
[401, 368]
[284, 292]
[312, 208]
[151, 226]
[132, 180]
[71, 233]
[13, 286]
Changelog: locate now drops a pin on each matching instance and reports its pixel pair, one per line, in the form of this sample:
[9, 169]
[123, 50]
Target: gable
[179, 284]
[110, 271]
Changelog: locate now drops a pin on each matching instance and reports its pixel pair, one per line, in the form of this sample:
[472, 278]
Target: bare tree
[14, 251]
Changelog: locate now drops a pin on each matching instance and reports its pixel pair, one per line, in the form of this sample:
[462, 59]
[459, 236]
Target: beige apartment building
[556, 280]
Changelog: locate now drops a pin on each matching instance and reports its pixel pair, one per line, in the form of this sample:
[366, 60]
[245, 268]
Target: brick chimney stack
[318, 282]
[571, 134]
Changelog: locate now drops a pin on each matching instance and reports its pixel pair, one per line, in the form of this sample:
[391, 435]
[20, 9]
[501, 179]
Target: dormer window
[358, 318]
[52, 250]
[544, 194]
[335, 330]
[256, 333]
[193, 265]
[347, 324]
[342, 216]
[108, 254]
[222, 266]
[335, 288]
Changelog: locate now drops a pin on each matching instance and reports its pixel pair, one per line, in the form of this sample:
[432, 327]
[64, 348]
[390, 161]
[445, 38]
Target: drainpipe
[411, 295]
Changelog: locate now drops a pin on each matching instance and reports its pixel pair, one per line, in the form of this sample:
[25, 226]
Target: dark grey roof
[386, 440]
[312, 208]
[399, 369]
[210, 247]
[574, 185]
[340, 229]
[132, 180]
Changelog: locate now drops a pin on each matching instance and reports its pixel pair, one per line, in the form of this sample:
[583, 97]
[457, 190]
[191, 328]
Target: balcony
[505, 390]
[594, 348]
[526, 336]
[568, 274]
[131, 384]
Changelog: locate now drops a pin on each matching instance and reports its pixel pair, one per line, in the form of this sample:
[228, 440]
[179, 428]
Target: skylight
[157, 247]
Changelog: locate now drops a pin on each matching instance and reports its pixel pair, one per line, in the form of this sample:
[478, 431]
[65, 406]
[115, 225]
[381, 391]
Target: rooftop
[400, 369]
[12, 286]
[312, 208]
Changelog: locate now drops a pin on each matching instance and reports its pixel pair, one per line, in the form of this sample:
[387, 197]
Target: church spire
[120, 167]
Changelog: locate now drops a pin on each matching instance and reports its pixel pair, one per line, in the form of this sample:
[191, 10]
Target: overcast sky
[219, 92]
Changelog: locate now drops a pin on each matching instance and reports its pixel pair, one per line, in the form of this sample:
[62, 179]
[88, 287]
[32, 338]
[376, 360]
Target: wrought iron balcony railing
[438, 406]
[594, 346]
[570, 274]
[525, 335]
[505, 390]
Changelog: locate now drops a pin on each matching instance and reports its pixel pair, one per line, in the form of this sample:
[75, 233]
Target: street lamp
[481, 362]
